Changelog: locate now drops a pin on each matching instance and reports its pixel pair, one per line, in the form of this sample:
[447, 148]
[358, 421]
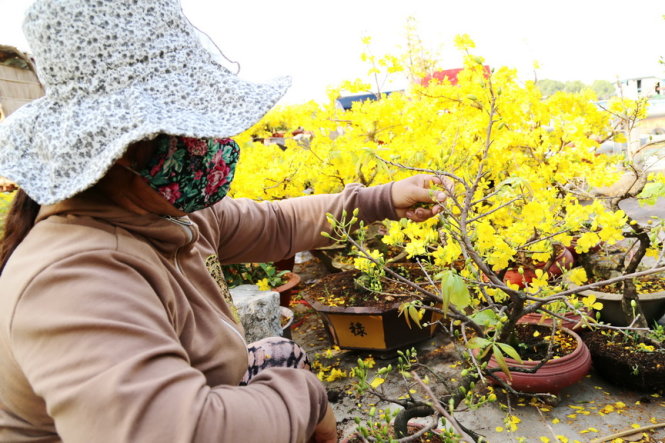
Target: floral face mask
[191, 173]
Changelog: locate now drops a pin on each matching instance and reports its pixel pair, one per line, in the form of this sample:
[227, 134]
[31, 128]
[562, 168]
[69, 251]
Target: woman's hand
[326, 430]
[416, 189]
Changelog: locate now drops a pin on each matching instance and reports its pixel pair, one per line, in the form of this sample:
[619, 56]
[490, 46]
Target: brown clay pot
[618, 363]
[554, 375]
[286, 290]
[371, 329]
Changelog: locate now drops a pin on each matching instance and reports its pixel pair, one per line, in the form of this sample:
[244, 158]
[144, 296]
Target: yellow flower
[464, 42]
[415, 247]
[577, 276]
[263, 284]
[335, 374]
[587, 241]
[378, 381]
[395, 235]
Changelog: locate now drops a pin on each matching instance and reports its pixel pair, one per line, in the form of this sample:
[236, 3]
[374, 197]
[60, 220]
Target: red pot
[513, 276]
[554, 375]
[287, 289]
[564, 262]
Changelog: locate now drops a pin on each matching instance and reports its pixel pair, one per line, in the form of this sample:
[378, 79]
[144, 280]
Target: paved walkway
[588, 410]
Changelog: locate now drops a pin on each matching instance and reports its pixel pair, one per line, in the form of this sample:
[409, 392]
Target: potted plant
[628, 359]
[265, 275]
[518, 168]
[511, 198]
[363, 308]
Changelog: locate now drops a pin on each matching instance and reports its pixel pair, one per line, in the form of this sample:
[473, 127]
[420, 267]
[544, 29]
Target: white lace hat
[116, 72]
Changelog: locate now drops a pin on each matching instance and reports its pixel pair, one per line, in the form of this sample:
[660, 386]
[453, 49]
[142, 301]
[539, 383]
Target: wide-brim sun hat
[117, 72]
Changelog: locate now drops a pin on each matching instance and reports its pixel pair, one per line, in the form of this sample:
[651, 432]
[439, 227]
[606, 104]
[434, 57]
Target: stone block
[258, 310]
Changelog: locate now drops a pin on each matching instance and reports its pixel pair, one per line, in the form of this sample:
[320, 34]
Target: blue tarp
[346, 102]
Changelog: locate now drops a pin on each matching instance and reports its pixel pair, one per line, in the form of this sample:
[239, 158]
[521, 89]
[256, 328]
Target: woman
[112, 325]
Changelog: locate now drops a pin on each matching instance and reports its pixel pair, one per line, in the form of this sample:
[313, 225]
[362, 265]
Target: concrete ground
[591, 409]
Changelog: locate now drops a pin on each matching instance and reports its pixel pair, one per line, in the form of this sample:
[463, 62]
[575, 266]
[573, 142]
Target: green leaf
[478, 343]
[510, 352]
[486, 317]
[454, 289]
[651, 192]
[498, 356]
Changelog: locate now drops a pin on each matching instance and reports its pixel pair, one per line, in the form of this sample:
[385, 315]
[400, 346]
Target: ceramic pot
[287, 289]
[554, 375]
[619, 364]
[286, 319]
[371, 323]
[371, 329]
[652, 304]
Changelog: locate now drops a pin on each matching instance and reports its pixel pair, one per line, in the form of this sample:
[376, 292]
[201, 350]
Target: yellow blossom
[263, 284]
[336, 374]
[577, 276]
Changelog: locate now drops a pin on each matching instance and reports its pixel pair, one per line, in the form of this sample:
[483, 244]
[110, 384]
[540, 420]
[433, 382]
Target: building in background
[18, 85]
[638, 87]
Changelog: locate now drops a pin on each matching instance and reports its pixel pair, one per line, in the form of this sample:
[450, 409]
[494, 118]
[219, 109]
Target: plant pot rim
[358, 310]
[554, 361]
[286, 313]
[293, 280]
[615, 296]
[353, 310]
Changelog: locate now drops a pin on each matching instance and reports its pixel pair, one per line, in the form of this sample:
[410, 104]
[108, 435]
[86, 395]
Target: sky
[319, 43]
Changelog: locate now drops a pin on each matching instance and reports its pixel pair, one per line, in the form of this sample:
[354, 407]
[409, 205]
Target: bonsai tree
[520, 170]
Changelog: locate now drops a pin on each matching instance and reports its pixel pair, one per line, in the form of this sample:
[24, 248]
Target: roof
[450, 74]
[18, 82]
[347, 102]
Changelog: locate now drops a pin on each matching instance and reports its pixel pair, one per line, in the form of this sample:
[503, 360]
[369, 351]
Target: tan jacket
[112, 328]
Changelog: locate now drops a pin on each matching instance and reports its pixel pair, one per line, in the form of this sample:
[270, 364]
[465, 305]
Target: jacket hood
[167, 234]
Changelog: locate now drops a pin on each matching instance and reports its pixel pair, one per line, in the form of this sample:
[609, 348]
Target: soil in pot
[571, 359]
[628, 364]
[361, 319]
[651, 292]
[572, 321]
[341, 290]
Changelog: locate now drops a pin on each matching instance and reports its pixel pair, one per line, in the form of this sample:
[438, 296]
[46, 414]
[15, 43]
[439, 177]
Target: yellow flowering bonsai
[519, 169]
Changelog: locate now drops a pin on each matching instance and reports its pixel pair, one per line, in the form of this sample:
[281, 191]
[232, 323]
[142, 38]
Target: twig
[611, 280]
[437, 406]
[416, 436]
[627, 432]
[485, 214]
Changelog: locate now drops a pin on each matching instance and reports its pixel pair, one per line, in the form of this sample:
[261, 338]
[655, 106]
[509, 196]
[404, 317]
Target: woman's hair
[20, 219]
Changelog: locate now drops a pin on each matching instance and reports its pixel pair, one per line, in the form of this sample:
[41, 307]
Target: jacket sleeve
[98, 345]
[250, 231]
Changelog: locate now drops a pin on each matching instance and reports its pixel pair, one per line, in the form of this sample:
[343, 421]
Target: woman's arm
[249, 231]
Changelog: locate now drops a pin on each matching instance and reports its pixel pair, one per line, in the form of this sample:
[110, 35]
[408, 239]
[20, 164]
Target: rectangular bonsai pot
[363, 328]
